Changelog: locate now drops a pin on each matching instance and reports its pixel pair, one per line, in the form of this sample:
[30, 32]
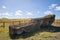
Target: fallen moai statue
[35, 23]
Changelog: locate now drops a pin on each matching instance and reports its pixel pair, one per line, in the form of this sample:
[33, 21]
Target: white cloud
[52, 6]
[7, 14]
[29, 13]
[38, 11]
[6, 17]
[57, 8]
[48, 12]
[18, 13]
[4, 6]
[0, 14]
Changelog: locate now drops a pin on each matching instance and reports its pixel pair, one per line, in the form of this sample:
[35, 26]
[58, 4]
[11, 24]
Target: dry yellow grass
[4, 33]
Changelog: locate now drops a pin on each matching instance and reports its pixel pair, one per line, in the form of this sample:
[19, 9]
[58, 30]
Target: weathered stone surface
[35, 23]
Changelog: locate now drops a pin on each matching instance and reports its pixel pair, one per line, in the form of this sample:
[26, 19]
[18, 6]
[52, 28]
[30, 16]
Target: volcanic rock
[35, 23]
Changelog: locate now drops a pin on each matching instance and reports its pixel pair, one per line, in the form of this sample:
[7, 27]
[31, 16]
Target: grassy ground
[42, 35]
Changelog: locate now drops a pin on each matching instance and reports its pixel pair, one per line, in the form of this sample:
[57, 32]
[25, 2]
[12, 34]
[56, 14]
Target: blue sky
[29, 8]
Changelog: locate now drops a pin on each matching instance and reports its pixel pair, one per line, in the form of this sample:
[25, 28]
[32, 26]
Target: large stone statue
[35, 23]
